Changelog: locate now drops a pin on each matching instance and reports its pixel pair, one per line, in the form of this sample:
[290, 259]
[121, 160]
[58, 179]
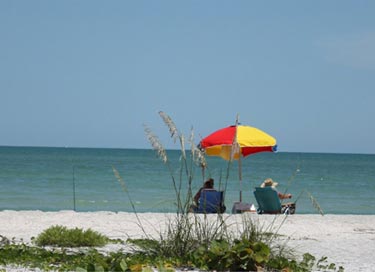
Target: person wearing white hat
[270, 183]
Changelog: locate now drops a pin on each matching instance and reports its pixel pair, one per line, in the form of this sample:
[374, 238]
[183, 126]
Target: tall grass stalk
[310, 196]
[291, 179]
[253, 231]
[162, 154]
[175, 135]
[187, 232]
[315, 203]
[123, 186]
[198, 156]
[171, 125]
[208, 230]
[185, 167]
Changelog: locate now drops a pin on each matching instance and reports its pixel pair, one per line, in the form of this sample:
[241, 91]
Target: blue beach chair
[269, 202]
[211, 201]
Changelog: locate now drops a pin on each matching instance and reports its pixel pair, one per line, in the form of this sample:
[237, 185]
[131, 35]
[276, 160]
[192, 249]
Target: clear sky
[91, 73]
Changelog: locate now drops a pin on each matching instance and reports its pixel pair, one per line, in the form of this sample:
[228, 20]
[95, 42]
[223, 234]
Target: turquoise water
[52, 179]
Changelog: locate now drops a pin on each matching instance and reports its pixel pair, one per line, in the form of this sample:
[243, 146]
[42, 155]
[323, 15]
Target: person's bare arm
[284, 196]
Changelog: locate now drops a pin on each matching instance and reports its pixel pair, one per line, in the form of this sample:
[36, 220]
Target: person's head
[209, 183]
[269, 183]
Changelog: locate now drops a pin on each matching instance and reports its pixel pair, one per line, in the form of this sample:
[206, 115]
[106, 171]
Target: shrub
[63, 237]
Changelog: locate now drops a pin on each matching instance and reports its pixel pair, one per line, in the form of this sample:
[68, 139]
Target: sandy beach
[347, 240]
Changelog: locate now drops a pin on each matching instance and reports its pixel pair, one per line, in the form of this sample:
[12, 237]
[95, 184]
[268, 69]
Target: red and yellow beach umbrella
[244, 140]
[234, 142]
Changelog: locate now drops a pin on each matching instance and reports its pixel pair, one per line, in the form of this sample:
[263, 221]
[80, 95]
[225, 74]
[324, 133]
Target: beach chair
[211, 201]
[269, 202]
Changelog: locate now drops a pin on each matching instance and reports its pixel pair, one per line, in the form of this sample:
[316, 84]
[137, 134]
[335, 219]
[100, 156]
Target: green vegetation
[30, 256]
[61, 236]
[62, 260]
[236, 255]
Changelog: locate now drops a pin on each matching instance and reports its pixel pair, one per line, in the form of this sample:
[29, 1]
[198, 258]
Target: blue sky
[91, 73]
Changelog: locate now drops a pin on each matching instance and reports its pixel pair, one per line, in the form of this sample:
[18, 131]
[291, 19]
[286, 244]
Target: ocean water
[82, 179]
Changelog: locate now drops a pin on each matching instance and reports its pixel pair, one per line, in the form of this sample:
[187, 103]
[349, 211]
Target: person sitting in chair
[270, 183]
[208, 184]
[212, 205]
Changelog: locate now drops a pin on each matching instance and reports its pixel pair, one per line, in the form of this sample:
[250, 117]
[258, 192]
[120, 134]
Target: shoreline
[347, 240]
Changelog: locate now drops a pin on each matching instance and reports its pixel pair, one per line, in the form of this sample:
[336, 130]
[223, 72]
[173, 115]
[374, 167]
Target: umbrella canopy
[245, 139]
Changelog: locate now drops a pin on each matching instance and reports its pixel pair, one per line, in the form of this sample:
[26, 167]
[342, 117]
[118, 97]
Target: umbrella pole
[240, 176]
[239, 156]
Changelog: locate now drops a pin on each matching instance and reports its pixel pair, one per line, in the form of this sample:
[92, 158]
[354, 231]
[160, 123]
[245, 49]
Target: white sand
[347, 240]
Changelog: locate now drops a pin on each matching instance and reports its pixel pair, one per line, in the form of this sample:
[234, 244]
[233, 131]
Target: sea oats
[172, 127]
[119, 178]
[315, 203]
[156, 144]
[182, 142]
[123, 185]
[198, 155]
